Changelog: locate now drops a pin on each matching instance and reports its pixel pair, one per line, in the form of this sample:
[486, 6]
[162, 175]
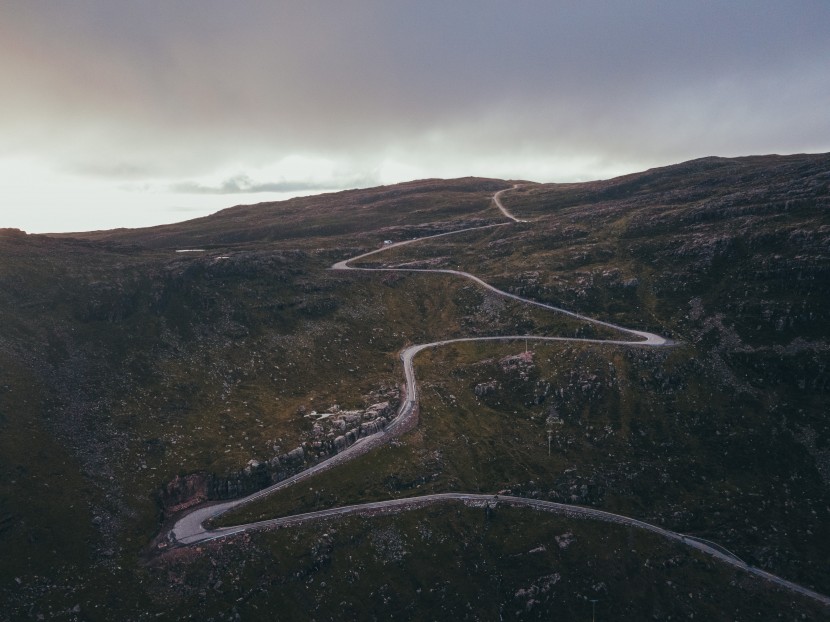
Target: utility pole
[593, 609]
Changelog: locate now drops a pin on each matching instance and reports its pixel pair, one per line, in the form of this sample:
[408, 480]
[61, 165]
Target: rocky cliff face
[331, 433]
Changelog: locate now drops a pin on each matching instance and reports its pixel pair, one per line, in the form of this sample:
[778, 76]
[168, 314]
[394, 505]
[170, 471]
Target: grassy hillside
[135, 380]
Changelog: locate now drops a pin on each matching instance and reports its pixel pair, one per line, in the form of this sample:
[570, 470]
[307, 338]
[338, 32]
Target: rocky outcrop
[485, 388]
[521, 363]
[331, 433]
[184, 491]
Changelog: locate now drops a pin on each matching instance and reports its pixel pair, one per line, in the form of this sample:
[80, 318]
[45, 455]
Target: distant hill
[323, 215]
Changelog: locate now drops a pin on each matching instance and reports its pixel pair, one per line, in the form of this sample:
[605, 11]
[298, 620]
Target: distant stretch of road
[502, 208]
[190, 529]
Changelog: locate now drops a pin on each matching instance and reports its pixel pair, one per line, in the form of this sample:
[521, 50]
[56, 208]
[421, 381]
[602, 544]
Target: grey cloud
[182, 89]
[242, 184]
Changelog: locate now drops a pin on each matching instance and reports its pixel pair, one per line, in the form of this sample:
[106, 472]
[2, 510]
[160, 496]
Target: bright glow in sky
[124, 114]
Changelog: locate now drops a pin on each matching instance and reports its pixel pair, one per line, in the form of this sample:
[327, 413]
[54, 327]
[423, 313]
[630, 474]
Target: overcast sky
[124, 113]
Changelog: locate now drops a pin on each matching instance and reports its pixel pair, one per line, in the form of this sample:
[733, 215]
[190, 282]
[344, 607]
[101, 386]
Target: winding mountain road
[502, 208]
[190, 529]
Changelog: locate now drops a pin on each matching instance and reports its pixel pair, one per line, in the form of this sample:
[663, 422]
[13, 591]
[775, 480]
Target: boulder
[296, 455]
[380, 409]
